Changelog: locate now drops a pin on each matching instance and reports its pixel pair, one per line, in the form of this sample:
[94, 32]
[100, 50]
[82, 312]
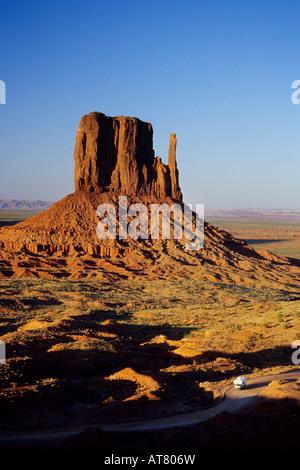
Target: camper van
[239, 383]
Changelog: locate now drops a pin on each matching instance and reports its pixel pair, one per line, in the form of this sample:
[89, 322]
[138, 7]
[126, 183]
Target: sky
[218, 73]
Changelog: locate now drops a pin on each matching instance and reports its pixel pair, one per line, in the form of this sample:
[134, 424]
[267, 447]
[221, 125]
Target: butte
[114, 157]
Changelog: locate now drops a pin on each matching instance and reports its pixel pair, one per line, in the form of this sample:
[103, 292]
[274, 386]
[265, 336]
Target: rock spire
[116, 154]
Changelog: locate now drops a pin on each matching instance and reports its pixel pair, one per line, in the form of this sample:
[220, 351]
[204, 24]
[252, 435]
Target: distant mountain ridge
[37, 205]
[23, 205]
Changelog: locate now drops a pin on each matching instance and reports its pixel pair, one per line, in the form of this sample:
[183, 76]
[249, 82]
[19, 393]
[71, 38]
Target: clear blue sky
[218, 73]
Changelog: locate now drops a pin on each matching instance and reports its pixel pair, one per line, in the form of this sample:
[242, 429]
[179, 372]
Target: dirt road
[233, 402]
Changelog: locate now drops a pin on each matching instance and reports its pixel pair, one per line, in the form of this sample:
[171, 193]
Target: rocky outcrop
[115, 154]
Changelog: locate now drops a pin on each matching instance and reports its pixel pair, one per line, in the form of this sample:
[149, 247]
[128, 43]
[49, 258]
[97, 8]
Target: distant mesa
[284, 214]
[115, 154]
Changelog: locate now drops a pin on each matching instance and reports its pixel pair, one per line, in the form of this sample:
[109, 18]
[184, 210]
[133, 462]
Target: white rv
[239, 383]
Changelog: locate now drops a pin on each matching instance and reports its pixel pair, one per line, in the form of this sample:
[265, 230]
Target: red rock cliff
[116, 154]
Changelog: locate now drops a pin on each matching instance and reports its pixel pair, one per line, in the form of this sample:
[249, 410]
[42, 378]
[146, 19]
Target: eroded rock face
[116, 154]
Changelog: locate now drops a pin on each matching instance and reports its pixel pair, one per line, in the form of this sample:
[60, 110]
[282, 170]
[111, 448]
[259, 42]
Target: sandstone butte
[114, 156]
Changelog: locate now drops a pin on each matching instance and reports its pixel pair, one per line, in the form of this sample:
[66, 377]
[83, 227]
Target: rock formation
[175, 189]
[114, 157]
[115, 154]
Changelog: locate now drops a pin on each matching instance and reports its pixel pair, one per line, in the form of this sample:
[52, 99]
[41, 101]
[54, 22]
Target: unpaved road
[233, 402]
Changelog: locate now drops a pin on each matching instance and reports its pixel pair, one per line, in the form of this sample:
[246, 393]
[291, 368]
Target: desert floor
[105, 352]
